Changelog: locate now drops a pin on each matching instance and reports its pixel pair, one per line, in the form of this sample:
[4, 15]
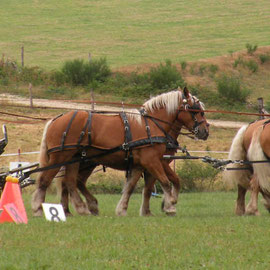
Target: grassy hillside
[129, 32]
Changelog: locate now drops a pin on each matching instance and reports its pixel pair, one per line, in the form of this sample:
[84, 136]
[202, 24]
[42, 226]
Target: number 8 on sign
[54, 212]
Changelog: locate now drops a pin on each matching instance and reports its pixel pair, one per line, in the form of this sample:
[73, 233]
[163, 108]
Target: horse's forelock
[169, 100]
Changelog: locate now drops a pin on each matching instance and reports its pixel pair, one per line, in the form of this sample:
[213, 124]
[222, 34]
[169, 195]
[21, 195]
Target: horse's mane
[169, 100]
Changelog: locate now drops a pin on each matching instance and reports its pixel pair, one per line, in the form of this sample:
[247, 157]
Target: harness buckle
[125, 146]
[143, 112]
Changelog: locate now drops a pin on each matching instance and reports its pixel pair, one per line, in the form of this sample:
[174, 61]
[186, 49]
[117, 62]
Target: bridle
[193, 110]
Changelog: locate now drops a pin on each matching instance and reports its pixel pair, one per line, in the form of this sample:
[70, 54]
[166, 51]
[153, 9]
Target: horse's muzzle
[202, 134]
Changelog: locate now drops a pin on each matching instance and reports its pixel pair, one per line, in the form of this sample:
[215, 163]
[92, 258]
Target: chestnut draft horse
[118, 141]
[251, 144]
[85, 171]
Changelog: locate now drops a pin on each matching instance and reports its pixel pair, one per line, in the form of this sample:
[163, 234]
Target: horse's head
[191, 115]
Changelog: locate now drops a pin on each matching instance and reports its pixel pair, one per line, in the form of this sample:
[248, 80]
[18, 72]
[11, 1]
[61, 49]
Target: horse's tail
[43, 153]
[237, 152]
[255, 152]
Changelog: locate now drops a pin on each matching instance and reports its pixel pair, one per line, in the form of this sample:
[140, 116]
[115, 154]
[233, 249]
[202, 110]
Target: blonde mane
[169, 100]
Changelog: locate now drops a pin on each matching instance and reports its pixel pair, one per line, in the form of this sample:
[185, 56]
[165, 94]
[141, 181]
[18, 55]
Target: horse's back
[265, 140]
[250, 131]
[106, 131]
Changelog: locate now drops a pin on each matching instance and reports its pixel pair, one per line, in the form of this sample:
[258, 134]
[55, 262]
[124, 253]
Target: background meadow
[130, 32]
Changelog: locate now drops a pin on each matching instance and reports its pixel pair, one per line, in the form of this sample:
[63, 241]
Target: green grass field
[205, 234]
[129, 32]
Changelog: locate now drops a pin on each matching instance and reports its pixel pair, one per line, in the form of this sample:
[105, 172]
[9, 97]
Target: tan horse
[85, 172]
[106, 141]
[251, 144]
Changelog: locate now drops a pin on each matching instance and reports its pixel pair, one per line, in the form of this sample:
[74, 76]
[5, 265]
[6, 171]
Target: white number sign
[54, 212]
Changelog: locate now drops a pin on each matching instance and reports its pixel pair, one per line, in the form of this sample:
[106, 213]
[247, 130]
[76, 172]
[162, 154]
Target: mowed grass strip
[204, 234]
[130, 32]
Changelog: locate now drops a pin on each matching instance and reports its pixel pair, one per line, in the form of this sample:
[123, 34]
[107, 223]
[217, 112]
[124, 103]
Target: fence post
[261, 108]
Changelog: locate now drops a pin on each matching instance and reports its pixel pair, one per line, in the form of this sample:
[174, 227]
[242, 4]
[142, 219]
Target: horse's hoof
[146, 214]
[38, 213]
[252, 213]
[122, 213]
[239, 211]
[94, 212]
[171, 214]
[162, 206]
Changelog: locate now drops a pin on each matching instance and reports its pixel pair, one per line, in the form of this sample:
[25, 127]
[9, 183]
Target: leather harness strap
[87, 125]
[128, 143]
[67, 129]
[128, 135]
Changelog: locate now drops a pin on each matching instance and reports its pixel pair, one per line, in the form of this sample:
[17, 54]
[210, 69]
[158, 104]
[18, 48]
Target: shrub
[230, 88]
[193, 175]
[78, 72]
[213, 68]
[202, 69]
[58, 77]
[238, 61]
[165, 76]
[33, 75]
[4, 81]
[264, 58]
[183, 65]
[97, 70]
[252, 65]
[251, 49]
[207, 96]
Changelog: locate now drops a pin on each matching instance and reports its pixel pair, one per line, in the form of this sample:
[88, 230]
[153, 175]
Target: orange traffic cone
[11, 203]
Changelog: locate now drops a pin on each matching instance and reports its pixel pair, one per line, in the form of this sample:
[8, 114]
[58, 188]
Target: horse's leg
[149, 184]
[147, 191]
[252, 207]
[156, 169]
[44, 180]
[91, 201]
[266, 201]
[174, 179]
[240, 203]
[64, 198]
[134, 176]
[71, 183]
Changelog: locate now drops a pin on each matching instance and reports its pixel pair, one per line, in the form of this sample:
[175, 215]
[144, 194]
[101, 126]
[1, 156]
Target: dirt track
[72, 105]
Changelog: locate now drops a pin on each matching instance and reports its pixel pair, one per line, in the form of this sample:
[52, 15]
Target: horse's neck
[175, 129]
[167, 120]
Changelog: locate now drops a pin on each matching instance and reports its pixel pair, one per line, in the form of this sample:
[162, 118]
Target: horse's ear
[186, 92]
